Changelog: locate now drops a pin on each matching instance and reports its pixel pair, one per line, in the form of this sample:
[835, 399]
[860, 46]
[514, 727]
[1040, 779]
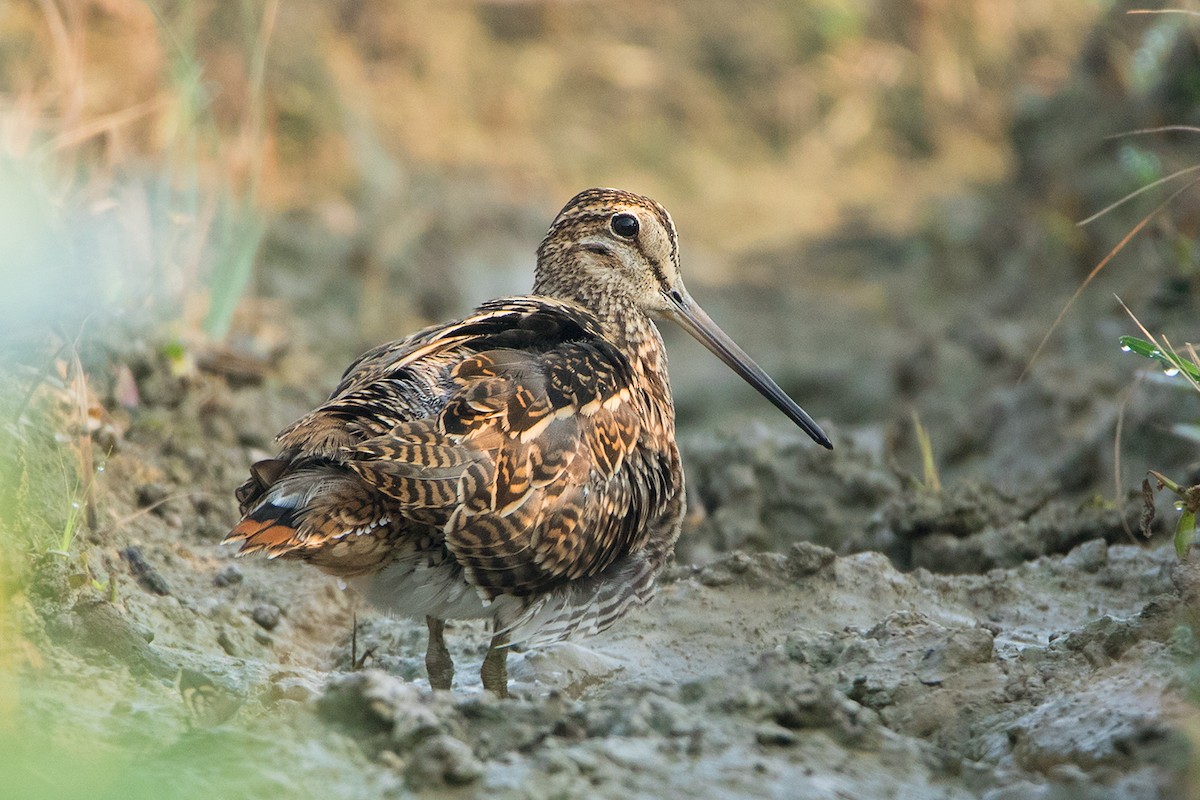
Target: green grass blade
[231, 272]
[1183, 533]
[1170, 361]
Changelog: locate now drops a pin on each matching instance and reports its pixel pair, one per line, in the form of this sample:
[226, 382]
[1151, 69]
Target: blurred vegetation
[164, 133]
[170, 171]
[758, 123]
[1185, 368]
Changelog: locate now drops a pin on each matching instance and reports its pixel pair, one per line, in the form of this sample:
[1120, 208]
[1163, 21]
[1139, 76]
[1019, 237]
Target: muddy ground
[836, 625]
[833, 627]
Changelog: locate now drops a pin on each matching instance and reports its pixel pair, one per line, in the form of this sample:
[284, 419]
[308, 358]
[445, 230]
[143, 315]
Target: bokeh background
[350, 171]
[880, 200]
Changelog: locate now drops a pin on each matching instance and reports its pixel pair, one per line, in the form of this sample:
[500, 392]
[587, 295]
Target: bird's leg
[494, 673]
[437, 657]
[357, 663]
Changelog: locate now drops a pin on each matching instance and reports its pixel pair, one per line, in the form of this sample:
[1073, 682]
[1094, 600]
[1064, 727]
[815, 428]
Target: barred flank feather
[587, 606]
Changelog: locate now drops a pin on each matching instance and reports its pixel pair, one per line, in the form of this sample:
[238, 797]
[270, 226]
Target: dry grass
[126, 217]
[135, 199]
[757, 122]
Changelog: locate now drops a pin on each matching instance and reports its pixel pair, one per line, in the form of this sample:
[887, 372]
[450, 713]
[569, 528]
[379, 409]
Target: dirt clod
[266, 615]
[229, 576]
[442, 760]
[147, 576]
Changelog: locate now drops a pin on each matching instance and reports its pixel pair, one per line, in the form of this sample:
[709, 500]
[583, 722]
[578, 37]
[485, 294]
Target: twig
[1163, 11]
[1117, 482]
[1137, 192]
[128, 518]
[1159, 129]
[84, 454]
[115, 119]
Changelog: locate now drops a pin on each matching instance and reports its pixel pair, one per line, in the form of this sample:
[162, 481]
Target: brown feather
[529, 445]
[265, 535]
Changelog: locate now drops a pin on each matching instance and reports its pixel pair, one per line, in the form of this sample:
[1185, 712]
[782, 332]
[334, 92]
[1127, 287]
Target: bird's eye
[625, 225]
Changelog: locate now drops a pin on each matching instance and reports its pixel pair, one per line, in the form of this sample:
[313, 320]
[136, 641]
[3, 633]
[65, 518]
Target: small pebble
[230, 576]
[774, 735]
[266, 615]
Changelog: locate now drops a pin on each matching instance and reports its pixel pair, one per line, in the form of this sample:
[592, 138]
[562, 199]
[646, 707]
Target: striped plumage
[518, 464]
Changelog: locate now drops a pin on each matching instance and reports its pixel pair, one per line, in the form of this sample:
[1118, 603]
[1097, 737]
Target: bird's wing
[514, 431]
[534, 456]
[306, 499]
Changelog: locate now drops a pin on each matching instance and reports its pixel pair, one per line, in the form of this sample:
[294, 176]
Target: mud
[961, 643]
[836, 624]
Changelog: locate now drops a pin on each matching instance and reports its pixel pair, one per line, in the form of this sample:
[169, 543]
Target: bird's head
[611, 243]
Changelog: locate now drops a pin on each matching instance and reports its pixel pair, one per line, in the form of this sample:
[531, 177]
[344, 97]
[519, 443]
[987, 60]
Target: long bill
[692, 318]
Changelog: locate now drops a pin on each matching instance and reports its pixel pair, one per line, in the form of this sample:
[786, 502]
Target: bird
[518, 465]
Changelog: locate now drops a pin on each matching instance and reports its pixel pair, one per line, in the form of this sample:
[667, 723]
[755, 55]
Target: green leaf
[1170, 361]
[1183, 533]
[174, 351]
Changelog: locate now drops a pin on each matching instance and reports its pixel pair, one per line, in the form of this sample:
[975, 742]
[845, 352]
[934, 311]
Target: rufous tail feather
[268, 527]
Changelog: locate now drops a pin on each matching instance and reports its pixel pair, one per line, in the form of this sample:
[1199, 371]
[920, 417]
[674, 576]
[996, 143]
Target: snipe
[517, 465]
